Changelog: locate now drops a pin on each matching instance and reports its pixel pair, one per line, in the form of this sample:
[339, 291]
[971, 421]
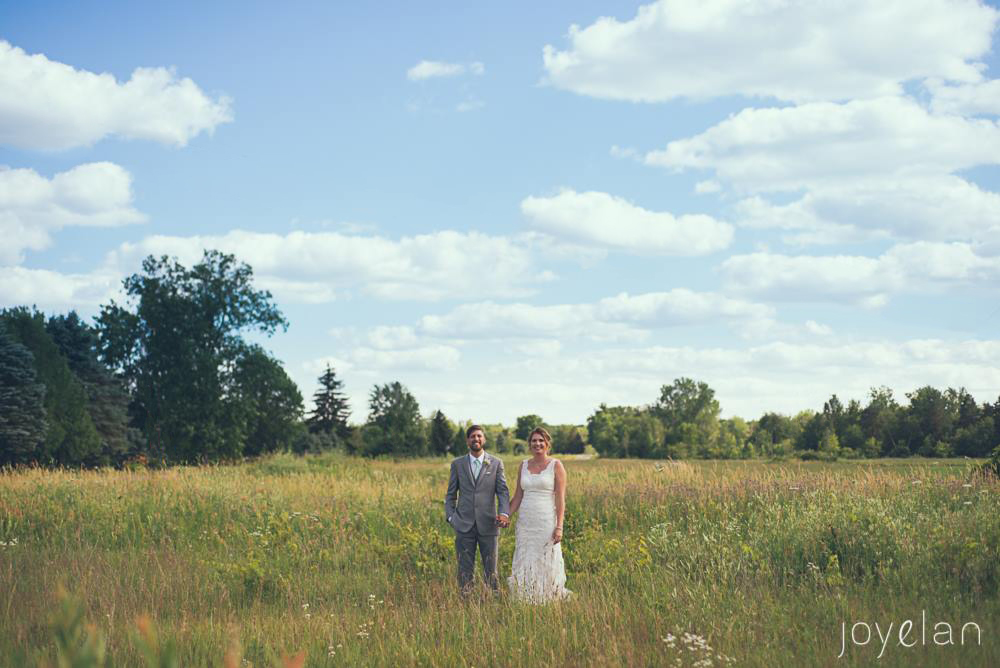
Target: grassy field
[691, 563]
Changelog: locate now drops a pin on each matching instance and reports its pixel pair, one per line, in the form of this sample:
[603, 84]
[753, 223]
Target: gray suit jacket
[476, 503]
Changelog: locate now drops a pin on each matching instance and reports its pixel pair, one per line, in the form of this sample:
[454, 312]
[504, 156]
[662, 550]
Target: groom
[475, 488]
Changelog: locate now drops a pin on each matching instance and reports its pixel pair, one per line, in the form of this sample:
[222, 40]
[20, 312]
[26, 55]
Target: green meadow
[335, 561]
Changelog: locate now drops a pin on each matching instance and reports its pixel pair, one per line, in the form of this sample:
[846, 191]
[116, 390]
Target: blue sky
[533, 207]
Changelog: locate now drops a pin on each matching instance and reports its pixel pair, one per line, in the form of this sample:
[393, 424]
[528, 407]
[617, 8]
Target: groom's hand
[503, 521]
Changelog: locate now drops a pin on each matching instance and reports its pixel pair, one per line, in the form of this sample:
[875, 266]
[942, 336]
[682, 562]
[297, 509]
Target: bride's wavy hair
[543, 433]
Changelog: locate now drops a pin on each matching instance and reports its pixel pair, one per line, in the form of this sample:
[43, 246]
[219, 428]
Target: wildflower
[917, 482]
[967, 485]
[305, 606]
[967, 503]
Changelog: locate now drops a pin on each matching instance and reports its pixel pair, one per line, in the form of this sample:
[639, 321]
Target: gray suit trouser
[465, 548]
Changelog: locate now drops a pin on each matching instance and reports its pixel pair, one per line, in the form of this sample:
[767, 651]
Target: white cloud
[623, 317]
[385, 337]
[430, 69]
[930, 208]
[425, 358]
[50, 105]
[54, 291]
[801, 51]
[917, 267]
[777, 376]
[605, 221]
[97, 194]
[825, 144]
[444, 264]
[974, 99]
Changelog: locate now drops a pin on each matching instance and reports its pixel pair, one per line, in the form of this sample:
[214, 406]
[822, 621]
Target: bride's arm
[560, 494]
[515, 503]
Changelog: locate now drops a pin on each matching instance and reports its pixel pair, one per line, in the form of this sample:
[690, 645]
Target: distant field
[351, 561]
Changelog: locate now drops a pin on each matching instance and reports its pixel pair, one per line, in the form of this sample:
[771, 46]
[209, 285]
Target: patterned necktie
[475, 469]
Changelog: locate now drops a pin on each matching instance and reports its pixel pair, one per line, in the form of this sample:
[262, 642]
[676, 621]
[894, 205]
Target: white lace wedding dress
[537, 574]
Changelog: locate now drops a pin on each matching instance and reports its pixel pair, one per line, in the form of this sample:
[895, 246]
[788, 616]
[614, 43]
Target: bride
[537, 574]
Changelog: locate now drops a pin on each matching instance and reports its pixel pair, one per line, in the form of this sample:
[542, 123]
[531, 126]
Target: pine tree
[22, 410]
[107, 399]
[71, 438]
[441, 434]
[459, 445]
[331, 412]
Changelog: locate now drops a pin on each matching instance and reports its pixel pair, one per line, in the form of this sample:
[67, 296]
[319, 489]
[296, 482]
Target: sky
[531, 208]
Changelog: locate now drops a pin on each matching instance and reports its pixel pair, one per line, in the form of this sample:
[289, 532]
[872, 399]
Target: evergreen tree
[459, 446]
[22, 409]
[70, 439]
[332, 410]
[107, 398]
[441, 434]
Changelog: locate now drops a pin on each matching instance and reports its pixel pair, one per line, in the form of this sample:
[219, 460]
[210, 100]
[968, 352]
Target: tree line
[685, 422]
[167, 376]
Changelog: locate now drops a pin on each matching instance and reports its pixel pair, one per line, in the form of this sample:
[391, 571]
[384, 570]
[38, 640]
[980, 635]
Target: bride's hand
[557, 535]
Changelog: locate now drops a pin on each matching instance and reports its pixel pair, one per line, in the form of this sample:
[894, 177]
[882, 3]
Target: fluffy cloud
[601, 220]
[424, 358]
[938, 208]
[920, 266]
[54, 291]
[97, 194]
[440, 265]
[430, 69]
[622, 317]
[50, 105]
[869, 169]
[802, 51]
[821, 144]
[974, 99]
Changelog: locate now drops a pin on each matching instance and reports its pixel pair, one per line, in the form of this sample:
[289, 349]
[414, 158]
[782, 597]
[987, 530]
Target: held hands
[503, 521]
[557, 535]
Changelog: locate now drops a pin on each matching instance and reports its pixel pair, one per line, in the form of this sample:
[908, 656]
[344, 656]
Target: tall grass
[351, 562]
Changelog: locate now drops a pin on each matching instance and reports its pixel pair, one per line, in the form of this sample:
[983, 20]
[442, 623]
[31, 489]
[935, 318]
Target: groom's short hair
[472, 428]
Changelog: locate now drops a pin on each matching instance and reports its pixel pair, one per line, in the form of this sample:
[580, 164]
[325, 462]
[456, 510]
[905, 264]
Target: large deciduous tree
[272, 402]
[394, 425]
[690, 414]
[177, 343]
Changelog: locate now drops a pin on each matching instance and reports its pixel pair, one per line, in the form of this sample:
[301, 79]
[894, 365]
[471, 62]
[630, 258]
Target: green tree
[689, 413]
[525, 424]
[71, 439]
[271, 399]
[107, 398]
[331, 410]
[458, 442]
[568, 440]
[177, 343]
[879, 419]
[394, 425]
[442, 434]
[22, 407]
